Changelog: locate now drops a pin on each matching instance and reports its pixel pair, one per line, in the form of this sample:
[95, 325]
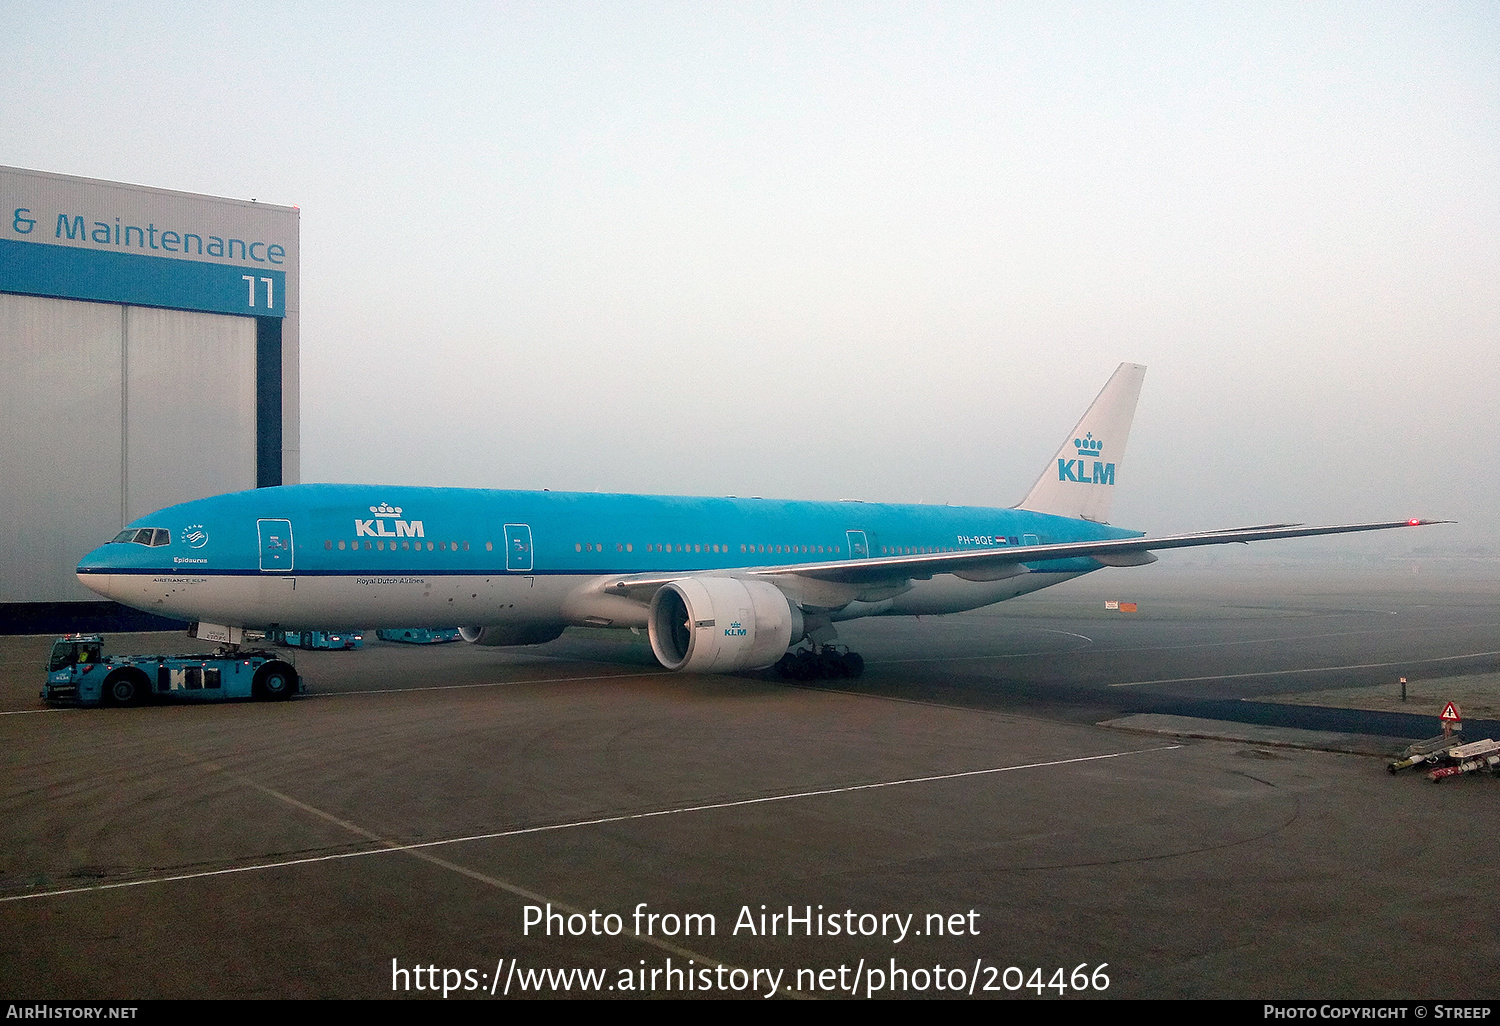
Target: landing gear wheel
[830, 664]
[825, 664]
[275, 681]
[805, 666]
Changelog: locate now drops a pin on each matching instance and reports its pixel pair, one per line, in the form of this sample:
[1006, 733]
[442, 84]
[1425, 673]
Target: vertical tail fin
[1080, 482]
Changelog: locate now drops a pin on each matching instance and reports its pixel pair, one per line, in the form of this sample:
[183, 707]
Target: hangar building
[150, 343]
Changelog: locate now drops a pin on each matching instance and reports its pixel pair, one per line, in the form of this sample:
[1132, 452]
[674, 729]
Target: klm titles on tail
[1074, 470]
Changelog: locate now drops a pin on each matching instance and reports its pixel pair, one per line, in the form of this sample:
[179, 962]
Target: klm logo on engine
[376, 527]
[734, 630]
[1078, 470]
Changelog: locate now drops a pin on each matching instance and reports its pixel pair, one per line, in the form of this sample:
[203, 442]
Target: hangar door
[109, 412]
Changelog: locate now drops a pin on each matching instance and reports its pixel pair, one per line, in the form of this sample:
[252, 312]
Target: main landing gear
[821, 662]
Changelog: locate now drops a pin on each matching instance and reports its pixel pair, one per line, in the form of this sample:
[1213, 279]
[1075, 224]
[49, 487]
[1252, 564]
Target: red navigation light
[1414, 522]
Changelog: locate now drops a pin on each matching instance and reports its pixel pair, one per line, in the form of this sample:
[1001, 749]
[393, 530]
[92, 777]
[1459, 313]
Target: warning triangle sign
[1450, 714]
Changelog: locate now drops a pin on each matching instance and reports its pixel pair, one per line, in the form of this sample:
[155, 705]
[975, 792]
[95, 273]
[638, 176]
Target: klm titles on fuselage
[376, 528]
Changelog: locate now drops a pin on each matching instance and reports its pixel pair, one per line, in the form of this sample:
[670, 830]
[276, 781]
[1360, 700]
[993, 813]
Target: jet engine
[721, 624]
[511, 633]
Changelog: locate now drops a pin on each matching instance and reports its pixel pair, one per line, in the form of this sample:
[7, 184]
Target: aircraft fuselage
[350, 556]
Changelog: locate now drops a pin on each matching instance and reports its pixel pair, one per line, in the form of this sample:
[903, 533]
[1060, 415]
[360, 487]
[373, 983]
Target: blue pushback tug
[79, 673]
[341, 641]
[419, 635]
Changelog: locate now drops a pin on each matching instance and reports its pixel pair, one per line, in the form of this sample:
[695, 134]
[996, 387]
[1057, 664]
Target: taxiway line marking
[487, 684]
[1197, 645]
[415, 851]
[1314, 669]
[576, 824]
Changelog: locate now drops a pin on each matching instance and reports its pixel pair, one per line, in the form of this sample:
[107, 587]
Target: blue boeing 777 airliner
[720, 584]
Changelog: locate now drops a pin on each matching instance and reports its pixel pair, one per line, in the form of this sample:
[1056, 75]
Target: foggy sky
[878, 251]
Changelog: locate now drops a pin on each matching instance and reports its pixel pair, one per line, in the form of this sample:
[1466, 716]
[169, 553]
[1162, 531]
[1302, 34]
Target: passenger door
[859, 545]
[275, 545]
[518, 547]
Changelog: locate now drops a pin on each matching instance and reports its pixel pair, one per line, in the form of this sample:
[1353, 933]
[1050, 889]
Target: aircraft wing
[1002, 561]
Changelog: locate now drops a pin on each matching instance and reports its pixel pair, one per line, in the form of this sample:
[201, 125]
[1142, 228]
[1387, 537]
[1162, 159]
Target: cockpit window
[152, 536]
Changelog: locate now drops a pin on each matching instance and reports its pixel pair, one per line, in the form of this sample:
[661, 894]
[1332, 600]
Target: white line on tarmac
[500, 834]
[490, 684]
[473, 874]
[1284, 639]
[1280, 639]
[1314, 669]
[979, 658]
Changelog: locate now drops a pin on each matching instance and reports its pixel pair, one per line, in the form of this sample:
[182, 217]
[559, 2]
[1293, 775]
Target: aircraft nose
[95, 561]
[94, 572]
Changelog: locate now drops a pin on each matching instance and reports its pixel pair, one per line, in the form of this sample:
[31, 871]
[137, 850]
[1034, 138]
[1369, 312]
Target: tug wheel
[275, 681]
[125, 687]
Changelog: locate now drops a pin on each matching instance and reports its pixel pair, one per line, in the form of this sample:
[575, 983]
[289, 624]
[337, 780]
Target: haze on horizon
[879, 251]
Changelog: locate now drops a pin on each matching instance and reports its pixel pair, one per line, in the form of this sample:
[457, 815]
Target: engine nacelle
[511, 633]
[721, 624]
